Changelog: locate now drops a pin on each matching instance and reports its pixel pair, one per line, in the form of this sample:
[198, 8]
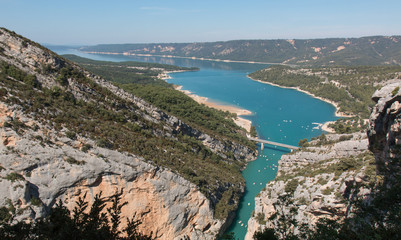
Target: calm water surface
[281, 115]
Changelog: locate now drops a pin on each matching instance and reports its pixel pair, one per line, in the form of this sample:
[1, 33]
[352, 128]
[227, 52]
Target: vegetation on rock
[350, 88]
[75, 103]
[375, 50]
[83, 222]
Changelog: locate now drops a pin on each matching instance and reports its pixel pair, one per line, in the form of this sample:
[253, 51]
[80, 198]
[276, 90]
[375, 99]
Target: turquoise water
[281, 115]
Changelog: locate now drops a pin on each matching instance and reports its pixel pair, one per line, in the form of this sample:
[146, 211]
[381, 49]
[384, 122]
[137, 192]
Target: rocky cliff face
[32, 58]
[385, 129]
[58, 169]
[41, 164]
[318, 179]
[321, 178]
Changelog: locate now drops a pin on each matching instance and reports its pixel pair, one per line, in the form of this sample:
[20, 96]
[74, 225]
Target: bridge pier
[262, 146]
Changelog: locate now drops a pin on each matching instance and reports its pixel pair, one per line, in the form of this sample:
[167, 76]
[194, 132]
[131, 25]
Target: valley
[74, 127]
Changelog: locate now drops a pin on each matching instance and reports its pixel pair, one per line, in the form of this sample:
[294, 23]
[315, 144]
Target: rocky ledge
[41, 167]
[317, 179]
[320, 178]
[385, 128]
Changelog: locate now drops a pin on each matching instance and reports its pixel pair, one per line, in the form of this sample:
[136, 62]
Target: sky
[89, 22]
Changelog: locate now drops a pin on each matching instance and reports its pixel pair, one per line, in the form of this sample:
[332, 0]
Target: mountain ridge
[372, 50]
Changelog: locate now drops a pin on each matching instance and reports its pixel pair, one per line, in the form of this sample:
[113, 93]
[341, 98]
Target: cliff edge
[66, 133]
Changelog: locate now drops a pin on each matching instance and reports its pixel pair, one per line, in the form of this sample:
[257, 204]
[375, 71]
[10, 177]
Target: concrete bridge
[262, 141]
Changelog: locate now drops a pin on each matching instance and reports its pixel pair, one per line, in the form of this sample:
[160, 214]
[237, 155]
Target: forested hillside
[142, 79]
[58, 116]
[375, 50]
[350, 88]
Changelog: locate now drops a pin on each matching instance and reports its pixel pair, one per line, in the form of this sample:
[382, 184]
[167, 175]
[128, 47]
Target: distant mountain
[374, 50]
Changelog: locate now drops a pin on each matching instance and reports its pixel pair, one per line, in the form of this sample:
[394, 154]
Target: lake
[279, 114]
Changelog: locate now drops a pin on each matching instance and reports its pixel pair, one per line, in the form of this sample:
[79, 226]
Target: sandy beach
[326, 128]
[245, 123]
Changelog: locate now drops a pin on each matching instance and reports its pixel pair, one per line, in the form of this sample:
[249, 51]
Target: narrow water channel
[279, 114]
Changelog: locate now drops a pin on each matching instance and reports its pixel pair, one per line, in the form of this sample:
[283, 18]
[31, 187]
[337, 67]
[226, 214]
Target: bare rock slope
[41, 162]
[319, 179]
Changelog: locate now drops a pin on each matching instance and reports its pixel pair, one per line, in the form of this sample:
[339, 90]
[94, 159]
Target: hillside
[374, 50]
[128, 72]
[66, 132]
[143, 80]
[339, 186]
[349, 88]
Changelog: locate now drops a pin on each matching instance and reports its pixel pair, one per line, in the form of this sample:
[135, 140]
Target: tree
[61, 223]
[266, 234]
[303, 142]
[253, 131]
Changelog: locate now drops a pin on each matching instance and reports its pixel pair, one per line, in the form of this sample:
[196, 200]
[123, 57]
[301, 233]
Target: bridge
[262, 141]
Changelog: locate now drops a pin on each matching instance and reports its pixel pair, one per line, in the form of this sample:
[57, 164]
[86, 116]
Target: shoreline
[325, 126]
[193, 58]
[242, 122]
[165, 74]
[338, 113]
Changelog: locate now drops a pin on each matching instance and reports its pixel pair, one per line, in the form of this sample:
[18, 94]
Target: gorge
[68, 133]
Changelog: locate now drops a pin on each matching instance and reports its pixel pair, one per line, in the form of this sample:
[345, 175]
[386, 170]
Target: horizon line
[189, 42]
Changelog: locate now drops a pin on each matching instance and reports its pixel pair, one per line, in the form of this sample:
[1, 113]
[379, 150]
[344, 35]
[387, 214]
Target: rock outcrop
[385, 129]
[321, 178]
[317, 178]
[34, 170]
[40, 164]
[32, 58]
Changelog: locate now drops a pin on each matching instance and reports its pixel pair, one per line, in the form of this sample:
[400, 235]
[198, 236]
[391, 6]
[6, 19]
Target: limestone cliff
[43, 160]
[62, 171]
[32, 58]
[385, 129]
[321, 178]
[318, 178]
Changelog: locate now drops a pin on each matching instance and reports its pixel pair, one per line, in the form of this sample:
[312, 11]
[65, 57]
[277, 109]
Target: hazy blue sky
[145, 21]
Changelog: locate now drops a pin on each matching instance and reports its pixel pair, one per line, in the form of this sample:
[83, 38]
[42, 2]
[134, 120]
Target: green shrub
[253, 131]
[71, 135]
[83, 222]
[86, 147]
[345, 138]
[395, 91]
[36, 201]
[302, 201]
[72, 160]
[16, 125]
[5, 215]
[322, 181]
[3, 92]
[327, 191]
[260, 217]
[303, 142]
[291, 186]
[104, 143]
[14, 177]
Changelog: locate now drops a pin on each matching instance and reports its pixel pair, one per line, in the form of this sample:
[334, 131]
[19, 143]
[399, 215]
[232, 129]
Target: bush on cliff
[377, 216]
[80, 223]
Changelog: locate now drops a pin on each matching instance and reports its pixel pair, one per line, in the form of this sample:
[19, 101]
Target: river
[279, 114]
